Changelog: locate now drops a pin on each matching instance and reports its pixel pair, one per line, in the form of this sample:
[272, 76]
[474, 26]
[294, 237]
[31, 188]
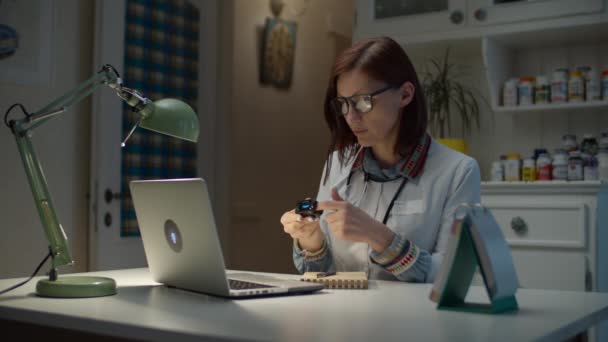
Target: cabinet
[492, 12]
[441, 20]
[557, 232]
[395, 17]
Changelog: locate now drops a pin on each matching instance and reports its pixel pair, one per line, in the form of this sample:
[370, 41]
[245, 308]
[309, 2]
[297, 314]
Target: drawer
[546, 269]
[560, 225]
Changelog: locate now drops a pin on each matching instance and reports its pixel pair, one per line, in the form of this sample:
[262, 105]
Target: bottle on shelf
[604, 140]
[528, 171]
[525, 91]
[592, 86]
[575, 166]
[604, 85]
[590, 168]
[569, 142]
[497, 173]
[585, 74]
[542, 90]
[589, 145]
[576, 87]
[509, 92]
[513, 167]
[544, 168]
[559, 86]
[560, 164]
[538, 152]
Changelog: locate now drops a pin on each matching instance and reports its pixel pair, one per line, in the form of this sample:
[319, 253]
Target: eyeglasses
[362, 103]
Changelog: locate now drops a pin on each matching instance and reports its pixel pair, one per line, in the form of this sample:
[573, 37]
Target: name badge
[409, 207]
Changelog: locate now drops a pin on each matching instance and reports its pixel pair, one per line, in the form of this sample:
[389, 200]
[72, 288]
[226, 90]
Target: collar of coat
[414, 163]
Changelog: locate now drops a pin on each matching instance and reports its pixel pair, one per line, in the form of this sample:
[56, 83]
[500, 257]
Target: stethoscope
[366, 178]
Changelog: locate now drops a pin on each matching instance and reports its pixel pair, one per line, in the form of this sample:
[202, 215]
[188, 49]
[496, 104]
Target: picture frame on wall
[278, 52]
[30, 62]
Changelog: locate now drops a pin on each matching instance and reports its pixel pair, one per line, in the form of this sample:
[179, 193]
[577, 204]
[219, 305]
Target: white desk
[388, 311]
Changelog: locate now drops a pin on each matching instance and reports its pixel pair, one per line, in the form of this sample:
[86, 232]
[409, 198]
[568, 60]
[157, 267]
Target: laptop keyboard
[245, 285]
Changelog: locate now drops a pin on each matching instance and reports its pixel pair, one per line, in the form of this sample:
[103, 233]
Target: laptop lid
[181, 243]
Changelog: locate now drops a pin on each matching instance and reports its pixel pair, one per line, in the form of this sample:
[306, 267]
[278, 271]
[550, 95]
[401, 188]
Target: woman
[388, 190]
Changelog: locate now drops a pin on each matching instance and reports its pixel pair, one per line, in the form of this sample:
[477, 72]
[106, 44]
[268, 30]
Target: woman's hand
[305, 229]
[348, 222]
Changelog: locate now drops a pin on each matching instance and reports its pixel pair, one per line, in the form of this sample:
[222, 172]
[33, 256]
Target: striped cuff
[311, 255]
[405, 260]
[391, 252]
[398, 257]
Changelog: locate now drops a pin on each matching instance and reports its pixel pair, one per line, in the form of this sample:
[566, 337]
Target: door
[110, 247]
[489, 12]
[402, 18]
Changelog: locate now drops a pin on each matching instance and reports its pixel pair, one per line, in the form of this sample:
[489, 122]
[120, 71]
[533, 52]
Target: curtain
[161, 61]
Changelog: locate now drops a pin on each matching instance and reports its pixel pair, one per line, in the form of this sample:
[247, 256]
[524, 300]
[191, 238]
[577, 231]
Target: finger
[332, 217]
[335, 195]
[331, 205]
[288, 228]
[292, 228]
[337, 229]
[298, 230]
[289, 216]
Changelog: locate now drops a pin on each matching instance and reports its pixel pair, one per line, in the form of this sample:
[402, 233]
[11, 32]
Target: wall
[278, 137]
[62, 146]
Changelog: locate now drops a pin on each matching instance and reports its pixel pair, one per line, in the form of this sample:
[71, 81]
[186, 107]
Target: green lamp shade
[171, 117]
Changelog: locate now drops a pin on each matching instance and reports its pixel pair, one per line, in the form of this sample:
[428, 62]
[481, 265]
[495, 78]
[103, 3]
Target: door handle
[456, 17]
[519, 225]
[480, 14]
[108, 195]
[107, 219]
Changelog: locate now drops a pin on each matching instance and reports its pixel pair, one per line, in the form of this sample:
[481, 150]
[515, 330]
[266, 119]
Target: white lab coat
[423, 212]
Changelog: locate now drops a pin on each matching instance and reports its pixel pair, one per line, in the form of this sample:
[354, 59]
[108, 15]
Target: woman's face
[379, 126]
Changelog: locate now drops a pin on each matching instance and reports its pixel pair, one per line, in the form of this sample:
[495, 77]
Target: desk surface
[387, 311]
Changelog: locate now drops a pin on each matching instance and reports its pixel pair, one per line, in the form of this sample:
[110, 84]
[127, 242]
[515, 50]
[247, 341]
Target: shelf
[542, 187]
[554, 183]
[539, 53]
[590, 33]
[570, 106]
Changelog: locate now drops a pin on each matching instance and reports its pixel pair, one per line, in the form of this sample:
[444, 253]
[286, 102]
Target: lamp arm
[106, 76]
[22, 128]
[55, 234]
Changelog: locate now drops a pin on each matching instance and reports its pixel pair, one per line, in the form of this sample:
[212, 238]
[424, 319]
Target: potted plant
[447, 98]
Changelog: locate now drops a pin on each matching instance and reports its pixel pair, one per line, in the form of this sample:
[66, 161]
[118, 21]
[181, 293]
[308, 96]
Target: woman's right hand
[305, 229]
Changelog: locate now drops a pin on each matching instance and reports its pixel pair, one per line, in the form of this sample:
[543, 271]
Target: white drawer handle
[519, 226]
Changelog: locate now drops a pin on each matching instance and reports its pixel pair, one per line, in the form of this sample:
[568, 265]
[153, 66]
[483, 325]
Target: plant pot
[456, 144]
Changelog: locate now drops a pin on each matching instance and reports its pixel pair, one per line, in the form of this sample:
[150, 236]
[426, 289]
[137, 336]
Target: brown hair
[382, 59]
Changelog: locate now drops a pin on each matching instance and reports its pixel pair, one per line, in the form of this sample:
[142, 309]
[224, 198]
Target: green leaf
[447, 97]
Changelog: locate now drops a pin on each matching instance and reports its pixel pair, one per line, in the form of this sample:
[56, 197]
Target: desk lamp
[167, 116]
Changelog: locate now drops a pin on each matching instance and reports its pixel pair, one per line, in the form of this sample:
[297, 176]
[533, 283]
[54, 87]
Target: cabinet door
[551, 269]
[402, 18]
[490, 12]
[548, 269]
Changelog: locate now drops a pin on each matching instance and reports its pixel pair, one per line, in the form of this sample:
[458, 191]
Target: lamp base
[76, 287]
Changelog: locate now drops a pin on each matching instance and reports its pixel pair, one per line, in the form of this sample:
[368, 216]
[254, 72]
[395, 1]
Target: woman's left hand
[348, 222]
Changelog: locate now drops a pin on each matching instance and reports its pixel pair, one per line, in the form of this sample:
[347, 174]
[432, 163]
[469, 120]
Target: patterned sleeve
[318, 261]
[405, 260]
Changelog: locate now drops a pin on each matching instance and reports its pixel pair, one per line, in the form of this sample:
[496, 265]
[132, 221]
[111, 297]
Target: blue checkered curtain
[161, 61]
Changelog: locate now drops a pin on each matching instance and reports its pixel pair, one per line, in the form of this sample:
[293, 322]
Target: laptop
[182, 245]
